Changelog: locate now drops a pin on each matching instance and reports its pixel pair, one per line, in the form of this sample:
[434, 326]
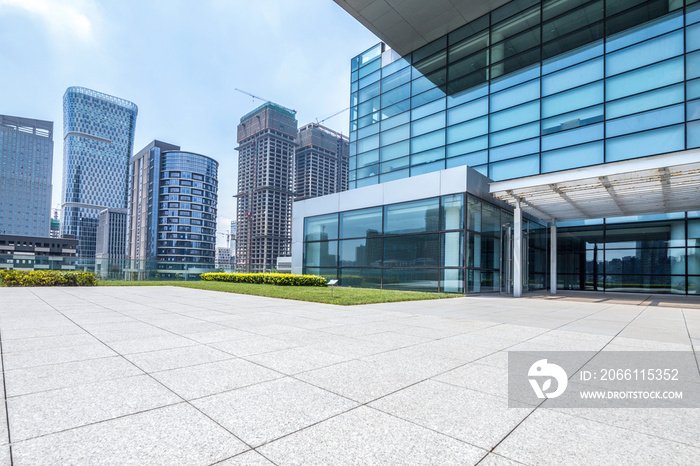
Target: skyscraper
[26, 158]
[321, 162]
[172, 209]
[98, 132]
[267, 138]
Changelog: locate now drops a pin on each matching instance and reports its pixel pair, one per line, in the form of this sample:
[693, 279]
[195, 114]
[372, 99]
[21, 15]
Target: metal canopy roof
[407, 25]
[650, 185]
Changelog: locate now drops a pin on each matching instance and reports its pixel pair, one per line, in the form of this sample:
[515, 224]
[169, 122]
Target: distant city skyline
[183, 78]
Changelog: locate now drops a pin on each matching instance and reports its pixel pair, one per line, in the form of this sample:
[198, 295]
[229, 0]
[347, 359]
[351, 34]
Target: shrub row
[281, 279]
[47, 278]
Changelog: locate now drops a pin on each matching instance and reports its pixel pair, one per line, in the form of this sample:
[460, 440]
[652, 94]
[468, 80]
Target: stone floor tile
[47, 343]
[154, 343]
[56, 410]
[366, 436]
[43, 357]
[295, 360]
[264, 412]
[676, 424]
[171, 435]
[254, 345]
[70, 374]
[548, 437]
[215, 377]
[249, 458]
[175, 358]
[361, 380]
[473, 417]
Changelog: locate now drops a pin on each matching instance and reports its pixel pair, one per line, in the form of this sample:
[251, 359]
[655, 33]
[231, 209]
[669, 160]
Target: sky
[180, 61]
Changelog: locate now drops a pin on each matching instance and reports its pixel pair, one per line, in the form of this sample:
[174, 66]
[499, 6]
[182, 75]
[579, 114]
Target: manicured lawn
[342, 296]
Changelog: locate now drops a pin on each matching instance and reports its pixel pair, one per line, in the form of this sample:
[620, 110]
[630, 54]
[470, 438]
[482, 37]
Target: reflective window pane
[412, 251]
[361, 223]
[412, 217]
[365, 252]
[323, 227]
[321, 254]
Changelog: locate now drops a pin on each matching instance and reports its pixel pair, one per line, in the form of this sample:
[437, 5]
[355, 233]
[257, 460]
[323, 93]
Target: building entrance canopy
[651, 185]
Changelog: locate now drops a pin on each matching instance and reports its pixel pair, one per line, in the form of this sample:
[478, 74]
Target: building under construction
[267, 138]
[321, 162]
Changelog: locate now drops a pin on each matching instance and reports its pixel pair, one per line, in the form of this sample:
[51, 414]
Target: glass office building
[98, 133]
[26, 160]
[533, 88]
[172, 211]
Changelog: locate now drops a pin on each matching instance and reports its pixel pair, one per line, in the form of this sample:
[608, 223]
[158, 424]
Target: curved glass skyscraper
[98, 133]
[172, 211]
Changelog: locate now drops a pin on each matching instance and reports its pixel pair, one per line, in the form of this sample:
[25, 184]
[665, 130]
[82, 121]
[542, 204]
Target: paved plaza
[167, 375]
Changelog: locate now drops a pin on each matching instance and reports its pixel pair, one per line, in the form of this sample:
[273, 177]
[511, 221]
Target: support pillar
[553, 258]
[517, 251]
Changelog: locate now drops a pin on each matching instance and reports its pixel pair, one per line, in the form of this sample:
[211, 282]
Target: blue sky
[180, 62]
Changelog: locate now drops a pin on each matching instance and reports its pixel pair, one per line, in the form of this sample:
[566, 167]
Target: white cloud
[65, 19]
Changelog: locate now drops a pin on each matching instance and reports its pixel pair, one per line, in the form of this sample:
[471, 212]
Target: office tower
[492, 133]
[266, 144]
[321, 162]
[111, 234]
[172, 210]
[98, 134]
[26, 159]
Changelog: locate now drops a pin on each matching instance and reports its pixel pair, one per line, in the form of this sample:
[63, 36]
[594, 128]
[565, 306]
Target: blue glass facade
[454, 243]
[533, 87]
[187, 197]
[98, 141]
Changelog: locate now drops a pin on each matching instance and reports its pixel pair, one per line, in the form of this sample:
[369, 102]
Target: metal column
[553, 258]
[518, 251]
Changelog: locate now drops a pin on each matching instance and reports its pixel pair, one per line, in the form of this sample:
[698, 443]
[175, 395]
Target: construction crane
[259, 98]
[227, 235]
[335, 114]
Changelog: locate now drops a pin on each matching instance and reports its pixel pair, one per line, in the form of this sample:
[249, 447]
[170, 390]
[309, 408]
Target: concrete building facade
[267, 139]
[321, 162]
[26, 161]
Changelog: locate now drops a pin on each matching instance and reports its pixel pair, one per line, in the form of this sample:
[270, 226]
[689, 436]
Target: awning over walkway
[650, 185]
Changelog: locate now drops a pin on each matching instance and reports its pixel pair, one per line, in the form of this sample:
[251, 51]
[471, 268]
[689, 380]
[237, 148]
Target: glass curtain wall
[450, 243]
[533, 87]
[652, 254]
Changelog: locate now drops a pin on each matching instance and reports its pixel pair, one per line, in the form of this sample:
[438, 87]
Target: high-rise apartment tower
[321, 162]
[267, 138]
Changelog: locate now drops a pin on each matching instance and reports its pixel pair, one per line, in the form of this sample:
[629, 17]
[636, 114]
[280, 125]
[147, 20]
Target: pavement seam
[541, 403]
[153, 378]
[692, 345]
[4, 389]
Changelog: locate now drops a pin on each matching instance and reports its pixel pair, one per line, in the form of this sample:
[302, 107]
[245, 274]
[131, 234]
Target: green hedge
[46, 278]
[282, 279]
